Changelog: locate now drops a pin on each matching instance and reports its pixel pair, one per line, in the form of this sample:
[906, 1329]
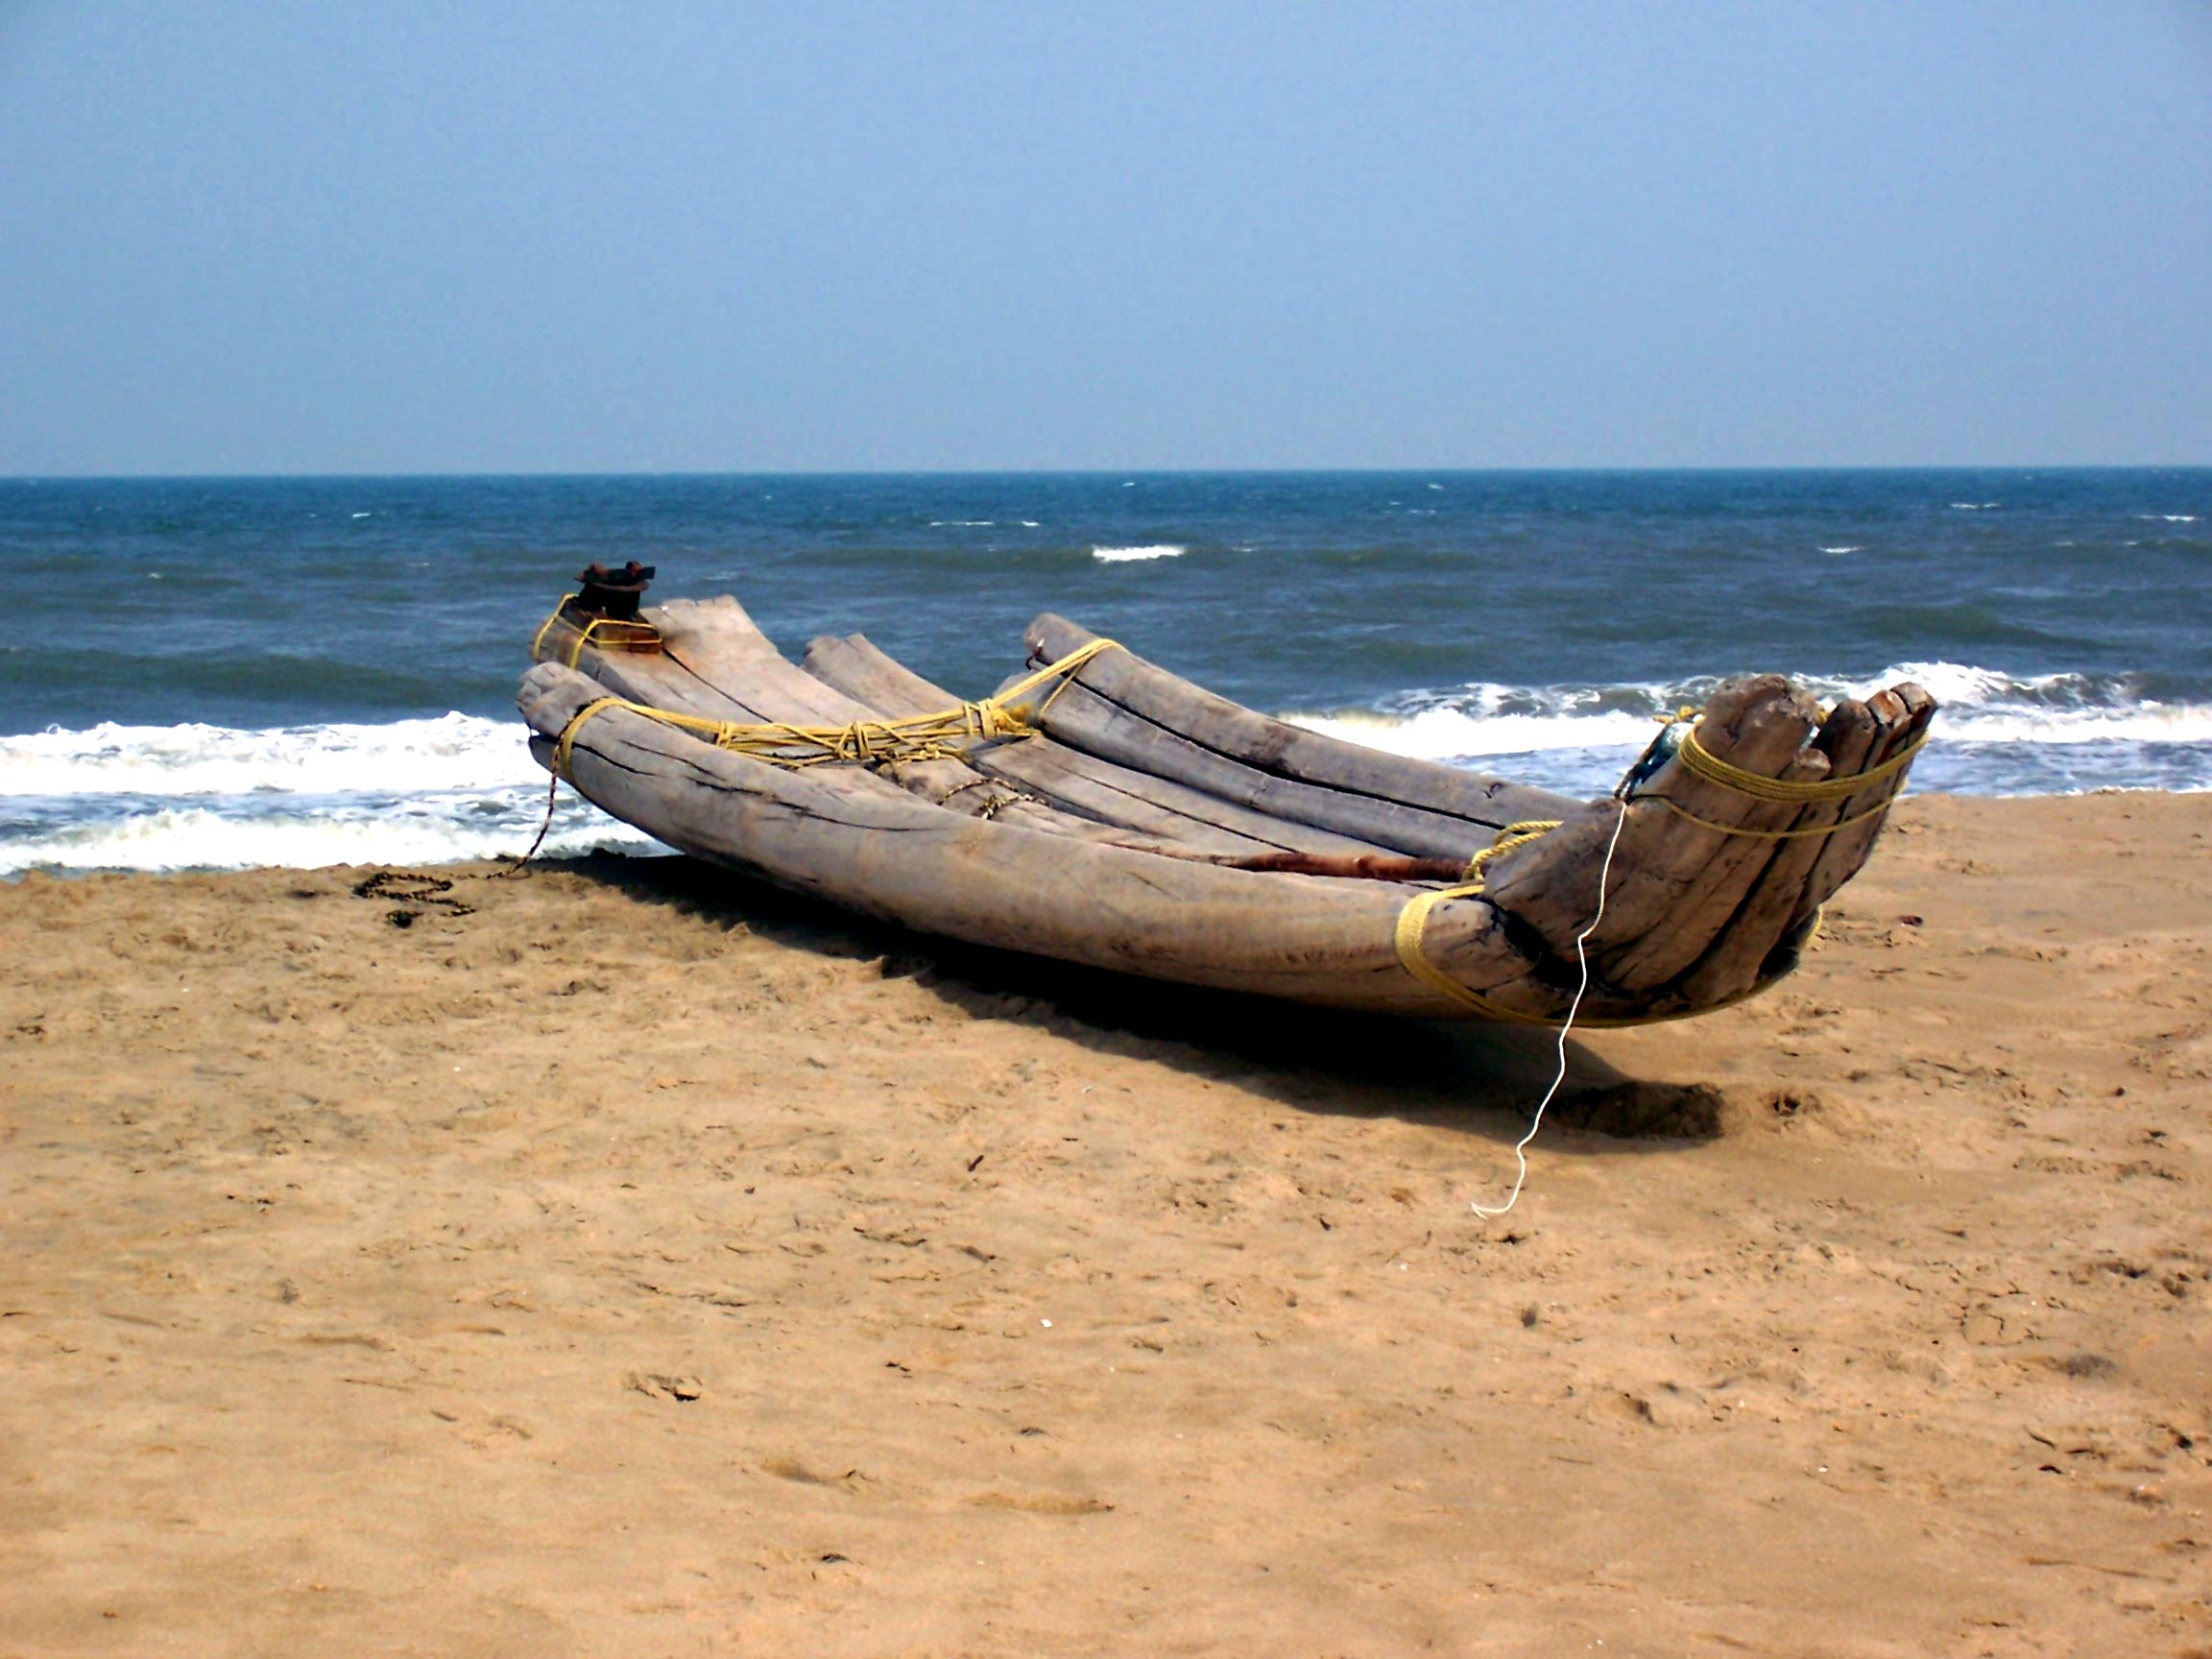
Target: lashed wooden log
[1852, 737]
[1681, 886]
[1843, 853]
[1070, 779]
[1235, 734]
[887, 853]
[715, 665]
[711, 662]
[1698, 913]
[1664, 863]
[1773, 738]
[1082, 719]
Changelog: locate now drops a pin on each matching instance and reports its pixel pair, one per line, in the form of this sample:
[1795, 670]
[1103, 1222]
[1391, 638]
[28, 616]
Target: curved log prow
[1714, 885]
[1711, 890]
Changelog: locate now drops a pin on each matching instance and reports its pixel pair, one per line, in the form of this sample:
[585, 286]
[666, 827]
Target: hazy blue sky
[392, 237]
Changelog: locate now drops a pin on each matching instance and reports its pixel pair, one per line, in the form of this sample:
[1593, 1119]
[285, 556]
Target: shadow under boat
[1475, 1080]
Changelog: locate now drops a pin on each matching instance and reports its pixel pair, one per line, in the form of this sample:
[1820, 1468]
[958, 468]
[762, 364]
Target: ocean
[218, 673]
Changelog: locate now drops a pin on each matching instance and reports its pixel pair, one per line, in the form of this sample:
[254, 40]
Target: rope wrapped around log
[941, 735]
[1695, 757]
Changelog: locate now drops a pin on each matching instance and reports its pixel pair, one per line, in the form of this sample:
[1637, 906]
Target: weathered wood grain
[715, 665]
[1083, 719]
[887, 853]
[1237, 733]
[1551, 886]
[1771, 738]
[1070, 779]
[1735, 959]
[1844, 854]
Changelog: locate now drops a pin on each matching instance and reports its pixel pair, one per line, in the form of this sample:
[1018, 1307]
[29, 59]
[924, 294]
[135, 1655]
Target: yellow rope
[1874, 811]
[943, 736]
[1703, 761]
[544, 627]
[1513, 836]
[645, 633]
[1414, 921]
[566, 746]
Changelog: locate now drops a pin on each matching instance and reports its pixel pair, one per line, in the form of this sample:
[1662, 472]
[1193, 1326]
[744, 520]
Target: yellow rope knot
[1513, 836]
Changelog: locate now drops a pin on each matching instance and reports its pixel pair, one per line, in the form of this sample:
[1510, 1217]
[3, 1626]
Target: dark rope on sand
[552, 789]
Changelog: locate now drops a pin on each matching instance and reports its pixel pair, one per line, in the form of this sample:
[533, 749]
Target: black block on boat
[613, 594]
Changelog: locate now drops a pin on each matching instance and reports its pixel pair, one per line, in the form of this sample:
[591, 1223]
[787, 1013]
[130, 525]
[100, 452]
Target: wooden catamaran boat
[1099, 810]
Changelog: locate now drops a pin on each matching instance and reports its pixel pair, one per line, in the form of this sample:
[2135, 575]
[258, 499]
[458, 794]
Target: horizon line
[305, 476]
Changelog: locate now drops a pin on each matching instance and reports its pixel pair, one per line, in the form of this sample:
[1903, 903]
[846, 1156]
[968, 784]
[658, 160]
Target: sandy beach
[622, 1260]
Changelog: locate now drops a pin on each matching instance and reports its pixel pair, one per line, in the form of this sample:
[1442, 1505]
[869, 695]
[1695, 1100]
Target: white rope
[1582, 956]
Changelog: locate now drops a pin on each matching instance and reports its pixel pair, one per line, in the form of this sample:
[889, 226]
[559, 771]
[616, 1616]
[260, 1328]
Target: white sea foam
[201, 838]
[963, 524]
[2166, 517]
[209, 797]
[1972, 506]
[1128, 555]
[1984, 706]
[406, 756]
[1451, 734]
[1860, 549]
[462, 787]
[1979, 706]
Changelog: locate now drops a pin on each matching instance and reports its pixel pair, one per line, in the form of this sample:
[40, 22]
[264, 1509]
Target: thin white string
[1582, 956]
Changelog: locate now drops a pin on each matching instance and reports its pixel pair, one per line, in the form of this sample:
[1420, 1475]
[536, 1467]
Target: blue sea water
[222, 672]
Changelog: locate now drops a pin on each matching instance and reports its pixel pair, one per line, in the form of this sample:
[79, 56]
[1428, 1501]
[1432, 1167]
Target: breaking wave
[462, 787]
[452, 752]
[200, 797]
[1996, 734]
